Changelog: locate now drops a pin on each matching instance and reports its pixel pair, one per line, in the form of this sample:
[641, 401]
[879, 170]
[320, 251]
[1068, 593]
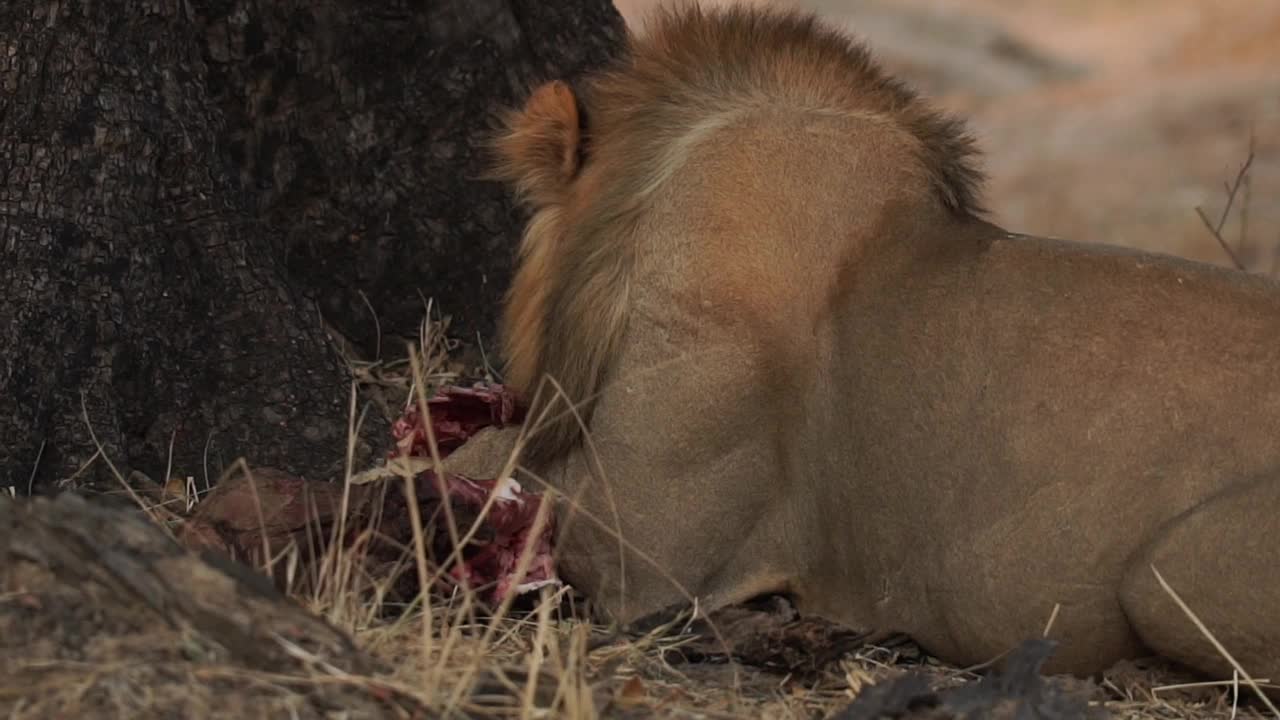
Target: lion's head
[589, 164]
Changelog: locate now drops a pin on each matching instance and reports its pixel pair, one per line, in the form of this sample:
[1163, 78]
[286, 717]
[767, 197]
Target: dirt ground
[1101, 121]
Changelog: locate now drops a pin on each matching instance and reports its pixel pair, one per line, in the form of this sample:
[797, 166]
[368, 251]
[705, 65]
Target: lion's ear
[539, 149]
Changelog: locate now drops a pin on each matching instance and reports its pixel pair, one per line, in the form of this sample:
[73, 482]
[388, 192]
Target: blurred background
[1108, 120]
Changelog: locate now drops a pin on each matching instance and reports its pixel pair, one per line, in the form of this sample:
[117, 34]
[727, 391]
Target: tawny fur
[691, 72]
[809, 365]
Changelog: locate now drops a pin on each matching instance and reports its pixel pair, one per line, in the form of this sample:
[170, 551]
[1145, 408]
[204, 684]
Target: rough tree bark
[185, 183]
[99, 585]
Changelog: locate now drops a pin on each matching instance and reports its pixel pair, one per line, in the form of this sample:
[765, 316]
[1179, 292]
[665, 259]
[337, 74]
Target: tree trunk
[191, 186]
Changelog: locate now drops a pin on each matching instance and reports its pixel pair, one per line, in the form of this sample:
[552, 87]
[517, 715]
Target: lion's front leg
[676, 496]
[640, 540]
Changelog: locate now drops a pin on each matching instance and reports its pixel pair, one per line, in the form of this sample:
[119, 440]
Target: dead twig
[1233, 189]
[1195, 619]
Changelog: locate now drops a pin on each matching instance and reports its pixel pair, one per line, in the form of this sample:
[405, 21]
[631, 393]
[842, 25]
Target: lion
[778, 346]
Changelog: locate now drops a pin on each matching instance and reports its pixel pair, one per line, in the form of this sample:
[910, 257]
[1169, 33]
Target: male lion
[807, 364]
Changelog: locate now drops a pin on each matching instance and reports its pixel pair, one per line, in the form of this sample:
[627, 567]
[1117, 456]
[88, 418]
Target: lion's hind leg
[1221, 559]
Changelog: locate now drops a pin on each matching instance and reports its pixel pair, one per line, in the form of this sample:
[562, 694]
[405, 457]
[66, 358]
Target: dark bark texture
[97, 585]
[200, 196]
